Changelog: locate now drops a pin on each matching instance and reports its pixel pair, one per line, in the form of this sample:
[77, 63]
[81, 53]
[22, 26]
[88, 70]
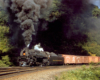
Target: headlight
[24, 54]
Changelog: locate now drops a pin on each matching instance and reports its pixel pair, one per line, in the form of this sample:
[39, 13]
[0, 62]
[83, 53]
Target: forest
[69, 27]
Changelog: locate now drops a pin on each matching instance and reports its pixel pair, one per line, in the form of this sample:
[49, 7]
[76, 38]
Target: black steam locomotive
[31, 57]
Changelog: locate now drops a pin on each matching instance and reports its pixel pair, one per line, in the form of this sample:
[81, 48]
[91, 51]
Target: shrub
[92, 63]
[5, 62]
[84, 67]
[91, 73]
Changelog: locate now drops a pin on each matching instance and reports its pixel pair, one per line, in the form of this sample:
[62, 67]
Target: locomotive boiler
[29, 57]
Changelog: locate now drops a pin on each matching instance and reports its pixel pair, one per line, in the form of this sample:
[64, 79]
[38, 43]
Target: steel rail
[6, 72]
[25, 69]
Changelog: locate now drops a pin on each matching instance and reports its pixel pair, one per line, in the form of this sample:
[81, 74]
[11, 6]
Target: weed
[84, 67]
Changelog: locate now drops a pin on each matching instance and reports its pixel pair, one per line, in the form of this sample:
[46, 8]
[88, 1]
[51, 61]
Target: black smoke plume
[67, 34]
[25, 14]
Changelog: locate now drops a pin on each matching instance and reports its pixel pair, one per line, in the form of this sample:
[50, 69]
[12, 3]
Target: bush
[3, 64]
[92, 63]
[84, 67]
[5, 61]
[90, 73]
[4, 40]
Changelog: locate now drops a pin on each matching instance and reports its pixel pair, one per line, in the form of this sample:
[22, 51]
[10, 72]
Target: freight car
[73, 59]
[29, 57]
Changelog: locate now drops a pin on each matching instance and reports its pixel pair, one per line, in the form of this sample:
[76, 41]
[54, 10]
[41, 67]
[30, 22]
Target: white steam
[28, 45]
[95, 2]
[38, 47]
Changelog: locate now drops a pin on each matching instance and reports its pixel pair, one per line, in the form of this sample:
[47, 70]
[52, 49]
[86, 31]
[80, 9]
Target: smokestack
[28, 13]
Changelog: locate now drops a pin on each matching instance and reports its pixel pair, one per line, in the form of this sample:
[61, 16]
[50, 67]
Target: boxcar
[69, 59]
[98, 59]
[78, 60]
[93, 59]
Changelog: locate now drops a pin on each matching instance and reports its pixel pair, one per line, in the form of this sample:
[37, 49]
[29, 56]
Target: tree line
[71, 28]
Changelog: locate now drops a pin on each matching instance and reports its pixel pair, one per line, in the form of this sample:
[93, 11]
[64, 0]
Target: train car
[73, 59]
[98, 59]
[69, 59]
[79, 60]
[56, 60]
[93, 59]
[86, 60]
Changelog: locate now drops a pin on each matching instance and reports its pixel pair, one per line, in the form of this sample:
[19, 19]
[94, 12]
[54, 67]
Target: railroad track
[6, 71]
[13, 70]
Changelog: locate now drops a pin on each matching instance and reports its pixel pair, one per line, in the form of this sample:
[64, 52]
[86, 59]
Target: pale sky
[95, 2]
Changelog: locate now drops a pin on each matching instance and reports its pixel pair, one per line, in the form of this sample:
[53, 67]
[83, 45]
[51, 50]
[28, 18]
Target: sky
[95, 2]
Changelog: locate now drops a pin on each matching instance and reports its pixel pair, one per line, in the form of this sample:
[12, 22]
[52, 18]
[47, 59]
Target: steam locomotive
[31, 57]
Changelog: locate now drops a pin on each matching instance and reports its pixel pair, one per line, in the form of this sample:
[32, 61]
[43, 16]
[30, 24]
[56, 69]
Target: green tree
[3, 17]
[4, 40]
[53, 13]
[96, 12]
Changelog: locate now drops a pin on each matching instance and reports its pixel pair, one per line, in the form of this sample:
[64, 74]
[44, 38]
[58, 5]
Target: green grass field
[91, 73]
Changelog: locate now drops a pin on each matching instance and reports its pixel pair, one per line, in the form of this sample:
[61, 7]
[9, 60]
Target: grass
[91, 73]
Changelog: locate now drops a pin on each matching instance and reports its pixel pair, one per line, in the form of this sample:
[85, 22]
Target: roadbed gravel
[43, 74]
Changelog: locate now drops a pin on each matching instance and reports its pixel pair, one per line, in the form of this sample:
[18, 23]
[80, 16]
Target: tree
[3, 17]
[4, 40]
[96, 12]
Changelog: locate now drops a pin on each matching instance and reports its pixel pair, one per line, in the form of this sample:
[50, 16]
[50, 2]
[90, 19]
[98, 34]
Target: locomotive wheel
[41, 65]
[32, 61]
[48, 63]
[22, 63]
